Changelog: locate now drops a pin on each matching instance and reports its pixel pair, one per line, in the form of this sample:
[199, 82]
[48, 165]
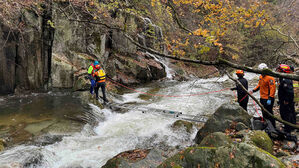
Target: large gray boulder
[225, 117]
[258, 138]
[216, 139]
[137, 158]
[235, 155]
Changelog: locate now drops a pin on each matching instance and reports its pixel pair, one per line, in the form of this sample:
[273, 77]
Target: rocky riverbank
[226, 140]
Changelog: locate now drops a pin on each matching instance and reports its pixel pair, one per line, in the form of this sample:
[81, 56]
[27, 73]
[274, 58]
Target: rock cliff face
[55, 53]
[25, 59]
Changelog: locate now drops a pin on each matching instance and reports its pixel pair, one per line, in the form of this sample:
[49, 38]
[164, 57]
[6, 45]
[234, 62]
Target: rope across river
[160, 95]
[186, 95]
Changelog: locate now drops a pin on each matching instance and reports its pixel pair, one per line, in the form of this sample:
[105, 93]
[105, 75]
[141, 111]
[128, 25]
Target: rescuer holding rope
[267, 88]
[242, 95]
[286, 98]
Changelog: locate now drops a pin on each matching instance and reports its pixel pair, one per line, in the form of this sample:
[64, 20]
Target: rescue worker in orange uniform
[100, 76]
[267, 88]
[286, 98]
[242, 95]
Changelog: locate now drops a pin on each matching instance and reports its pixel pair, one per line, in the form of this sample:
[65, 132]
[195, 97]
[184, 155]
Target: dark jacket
[285, 90]
[240, 91]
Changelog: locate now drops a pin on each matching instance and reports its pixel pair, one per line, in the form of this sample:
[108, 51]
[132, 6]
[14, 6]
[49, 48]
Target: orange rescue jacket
[266, 86]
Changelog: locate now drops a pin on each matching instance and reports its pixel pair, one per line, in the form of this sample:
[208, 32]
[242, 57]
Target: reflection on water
[21, 117]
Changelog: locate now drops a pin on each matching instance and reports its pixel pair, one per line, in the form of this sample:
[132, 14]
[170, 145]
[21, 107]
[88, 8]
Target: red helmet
[283, 68]
[239, 72]
[98, 66]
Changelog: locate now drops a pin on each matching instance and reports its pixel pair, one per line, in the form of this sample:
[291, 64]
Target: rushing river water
[115, 132]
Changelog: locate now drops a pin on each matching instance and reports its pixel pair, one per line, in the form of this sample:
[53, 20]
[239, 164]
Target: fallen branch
[220, 61]
[262, 107]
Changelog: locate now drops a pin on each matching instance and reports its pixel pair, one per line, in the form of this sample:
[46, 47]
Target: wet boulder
[235, 155]
[136, 68]
[180, 124]
[136, 158]
[216, 139]
[47, 139]
[261, 140]
[257, 138]
[226, 116]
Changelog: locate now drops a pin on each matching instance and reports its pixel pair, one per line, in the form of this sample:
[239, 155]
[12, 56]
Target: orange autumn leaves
[215, 18]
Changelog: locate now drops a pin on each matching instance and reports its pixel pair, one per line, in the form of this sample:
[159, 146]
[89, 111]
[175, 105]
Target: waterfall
[169, 71]
[144, 34]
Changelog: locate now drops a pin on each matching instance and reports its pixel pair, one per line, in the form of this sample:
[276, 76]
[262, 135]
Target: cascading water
[169, 71]
[116, 132]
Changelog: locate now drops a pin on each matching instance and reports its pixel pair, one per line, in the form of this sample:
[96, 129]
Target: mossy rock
[136, 158]
[235, 155]
[216, 139]
[81, 84]
[222, 119]
[182, 124]
[261, 140]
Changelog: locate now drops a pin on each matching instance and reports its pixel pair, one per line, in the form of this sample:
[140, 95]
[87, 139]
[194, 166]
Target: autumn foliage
[211, 20]
[197, 29]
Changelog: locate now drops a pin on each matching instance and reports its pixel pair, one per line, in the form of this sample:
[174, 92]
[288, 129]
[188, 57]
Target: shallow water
[117, 132]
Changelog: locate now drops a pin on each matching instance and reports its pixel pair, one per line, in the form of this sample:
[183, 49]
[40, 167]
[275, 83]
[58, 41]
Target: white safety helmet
[262, 66]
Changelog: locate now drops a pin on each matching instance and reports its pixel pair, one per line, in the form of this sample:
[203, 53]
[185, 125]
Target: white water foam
[118, 132]
[169, 71]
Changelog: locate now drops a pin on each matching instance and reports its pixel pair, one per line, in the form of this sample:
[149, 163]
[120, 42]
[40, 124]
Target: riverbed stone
[223, 118]
[288, 145]
[47, 139]
[216, 139]
[180, 124]
[62, 127]
[81, 83]
[290, 161]
[235, 155]
[241, 126]
[36, 127]
[140, 158]
[258, 138]
[261, 140]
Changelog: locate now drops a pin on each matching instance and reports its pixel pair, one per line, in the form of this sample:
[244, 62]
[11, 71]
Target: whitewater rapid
[116, 132]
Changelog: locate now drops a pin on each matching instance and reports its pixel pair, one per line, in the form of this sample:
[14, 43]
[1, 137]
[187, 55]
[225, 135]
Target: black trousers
[101, 85]
[287, 113]
[244, 103]
[270, 109]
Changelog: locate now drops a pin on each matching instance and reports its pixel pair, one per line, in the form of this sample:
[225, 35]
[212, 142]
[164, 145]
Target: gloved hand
[232, 89]
[269, 102]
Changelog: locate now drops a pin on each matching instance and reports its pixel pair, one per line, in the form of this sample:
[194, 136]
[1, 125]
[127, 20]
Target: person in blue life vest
[91, 70]
[100, 77]
[242, 95]
[286, 98]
